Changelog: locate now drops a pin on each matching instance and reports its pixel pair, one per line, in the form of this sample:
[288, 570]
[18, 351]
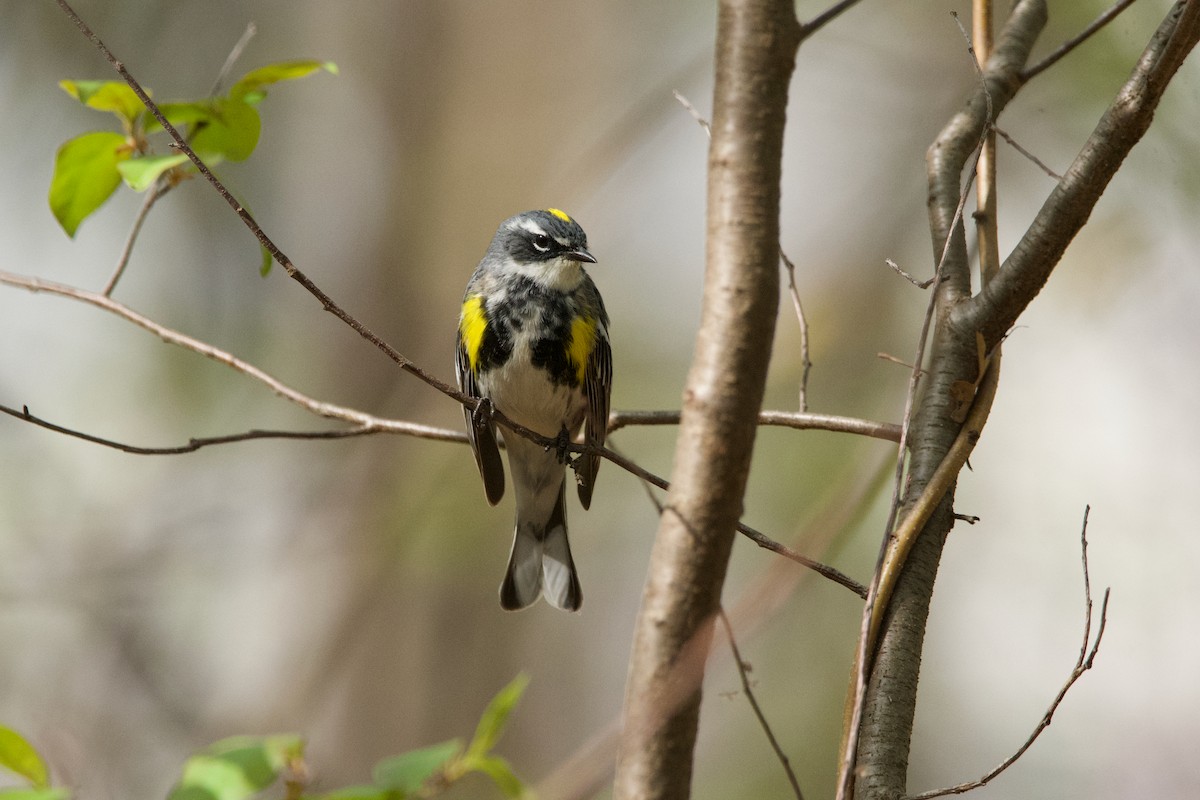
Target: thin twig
[756, 536]
[899, 361]
[199, 442]
[925, 284]
[231, 59]
[1027, 154]
[805, 362]
[691, 109]
[1083, 663]
[782, 419]
[1069, 45]
[743, 672]
[826, 571]
[821, 20]
[160, 188]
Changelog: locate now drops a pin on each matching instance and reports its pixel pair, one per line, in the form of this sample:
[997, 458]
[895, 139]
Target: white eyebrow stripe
[532, 227]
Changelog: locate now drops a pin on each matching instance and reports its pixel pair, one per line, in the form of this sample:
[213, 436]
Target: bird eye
[541, 243]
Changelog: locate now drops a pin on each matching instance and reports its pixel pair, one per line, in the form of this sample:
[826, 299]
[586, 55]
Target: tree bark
[756, 46]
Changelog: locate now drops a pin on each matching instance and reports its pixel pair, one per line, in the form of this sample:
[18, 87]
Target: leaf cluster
[90, 167]
[241, 767]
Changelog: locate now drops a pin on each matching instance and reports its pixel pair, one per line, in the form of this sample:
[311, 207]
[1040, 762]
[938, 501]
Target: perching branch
[195, 443]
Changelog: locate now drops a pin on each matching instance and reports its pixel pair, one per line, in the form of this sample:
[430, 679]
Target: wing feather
[480, 431]
[597, 385]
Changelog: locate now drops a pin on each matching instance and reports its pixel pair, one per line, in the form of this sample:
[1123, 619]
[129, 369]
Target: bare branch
[199, 442]
[824, 570]
[783, 419]
[807, 29]
[743, 669]
[925, 284]
[691, 109]
[231, 59]
[160, 188]
[1069, 45]
[805, 362]
[759, 538]
[1083, 663]
[1013, 143]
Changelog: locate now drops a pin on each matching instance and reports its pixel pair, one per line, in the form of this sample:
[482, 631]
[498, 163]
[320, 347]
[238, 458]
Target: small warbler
[533, 342]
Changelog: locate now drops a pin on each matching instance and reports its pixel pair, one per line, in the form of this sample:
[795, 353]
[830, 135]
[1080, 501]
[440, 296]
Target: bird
[533, 344]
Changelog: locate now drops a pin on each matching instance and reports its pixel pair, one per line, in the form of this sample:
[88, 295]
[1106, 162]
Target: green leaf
[264, 269]
[501, 774]
[181, 114]
[236, 768]
[408, 771]
[231, 131]
[141, 173]
[114, 96]
[494, 718]
[34, 794]
[19, 756]
[85, 175]
[250, 87]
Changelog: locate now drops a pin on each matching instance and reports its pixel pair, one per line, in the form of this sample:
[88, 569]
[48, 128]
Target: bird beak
[580, 254]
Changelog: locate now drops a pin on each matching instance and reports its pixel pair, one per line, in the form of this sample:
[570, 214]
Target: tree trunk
[756, 46]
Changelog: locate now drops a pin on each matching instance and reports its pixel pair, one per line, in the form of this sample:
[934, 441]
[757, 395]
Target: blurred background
[347, 590]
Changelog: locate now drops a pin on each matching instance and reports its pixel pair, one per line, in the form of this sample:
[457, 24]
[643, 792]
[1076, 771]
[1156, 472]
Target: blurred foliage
[241, 767]
[89, 167]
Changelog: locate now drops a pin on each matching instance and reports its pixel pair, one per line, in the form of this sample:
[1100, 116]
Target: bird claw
[562, 446]
[481, 417]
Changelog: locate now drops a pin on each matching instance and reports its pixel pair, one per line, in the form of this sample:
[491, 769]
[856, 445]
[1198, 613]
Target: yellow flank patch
[471, 326]
[559, 213]
[579, 349]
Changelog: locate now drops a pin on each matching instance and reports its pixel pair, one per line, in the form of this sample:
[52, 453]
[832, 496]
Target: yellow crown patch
[560, 214]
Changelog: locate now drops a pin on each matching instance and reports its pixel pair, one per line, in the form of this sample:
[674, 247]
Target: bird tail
[540, 562]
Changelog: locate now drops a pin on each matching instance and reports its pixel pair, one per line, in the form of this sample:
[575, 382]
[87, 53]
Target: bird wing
[481, 431]
[597, 385]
